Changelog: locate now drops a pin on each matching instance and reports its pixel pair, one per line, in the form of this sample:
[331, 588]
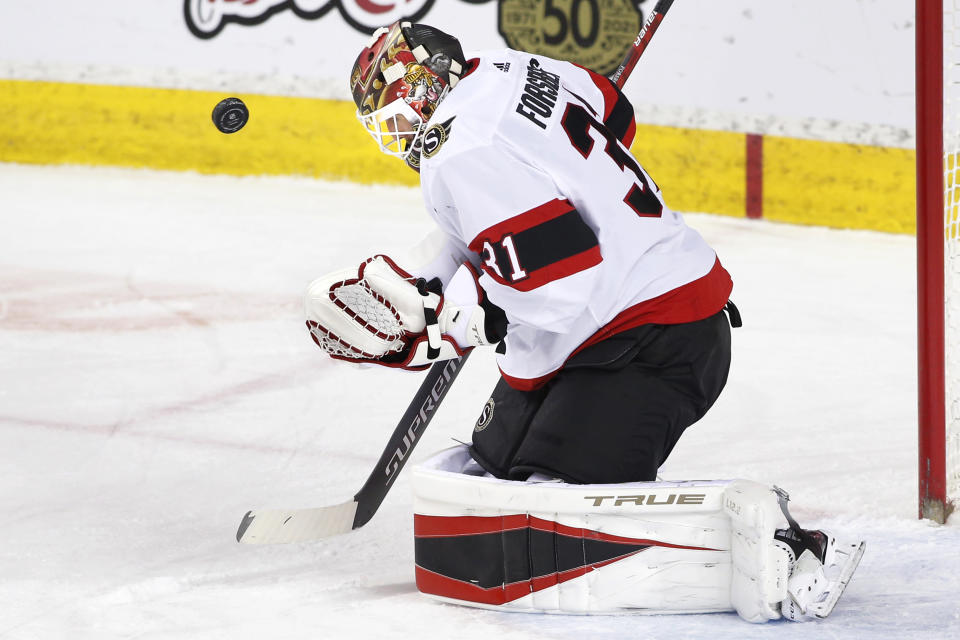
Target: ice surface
[156, 382]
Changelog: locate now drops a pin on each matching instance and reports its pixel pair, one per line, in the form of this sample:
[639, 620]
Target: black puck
[230, 115]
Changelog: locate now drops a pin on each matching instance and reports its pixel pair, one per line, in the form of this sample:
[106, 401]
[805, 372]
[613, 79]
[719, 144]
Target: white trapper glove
[382, 314]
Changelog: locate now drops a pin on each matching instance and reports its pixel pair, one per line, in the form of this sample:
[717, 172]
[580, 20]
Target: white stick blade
[278, 526]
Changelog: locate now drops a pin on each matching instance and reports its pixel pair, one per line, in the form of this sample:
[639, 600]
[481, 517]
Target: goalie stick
[269, 526]
[304, 525]
[650, 26]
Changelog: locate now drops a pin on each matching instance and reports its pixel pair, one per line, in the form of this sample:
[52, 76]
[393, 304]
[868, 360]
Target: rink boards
[795, 180]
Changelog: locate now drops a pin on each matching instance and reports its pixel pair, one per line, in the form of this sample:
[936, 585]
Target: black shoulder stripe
[620, 119]
[550, 242]
[546, 243]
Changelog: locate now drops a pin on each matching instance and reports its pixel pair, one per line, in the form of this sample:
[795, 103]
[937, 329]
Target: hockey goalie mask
[404, 72]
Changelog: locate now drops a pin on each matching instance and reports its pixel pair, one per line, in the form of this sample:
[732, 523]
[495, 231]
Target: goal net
[938, 254]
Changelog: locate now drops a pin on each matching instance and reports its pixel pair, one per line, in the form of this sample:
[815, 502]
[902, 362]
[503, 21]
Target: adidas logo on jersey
[503, 66]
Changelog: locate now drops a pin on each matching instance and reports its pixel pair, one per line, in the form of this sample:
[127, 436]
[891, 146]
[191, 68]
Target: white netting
[371, 308]
[334, 345]
[951, 141]
[370, 311]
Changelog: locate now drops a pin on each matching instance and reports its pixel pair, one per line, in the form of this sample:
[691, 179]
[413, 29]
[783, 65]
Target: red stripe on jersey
[547, 243]
[693, 301]
[561, 269]
[611, 95]
[526, 220]
[527, 384]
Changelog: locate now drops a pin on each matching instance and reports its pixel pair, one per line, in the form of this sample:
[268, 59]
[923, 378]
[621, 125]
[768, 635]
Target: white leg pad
[650, 547]
[761, 567]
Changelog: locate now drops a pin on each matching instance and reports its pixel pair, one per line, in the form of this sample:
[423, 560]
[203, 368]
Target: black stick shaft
[405, 437]
[650, 26]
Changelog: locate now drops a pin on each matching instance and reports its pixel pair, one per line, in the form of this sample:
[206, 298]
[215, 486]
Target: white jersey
[526, 167]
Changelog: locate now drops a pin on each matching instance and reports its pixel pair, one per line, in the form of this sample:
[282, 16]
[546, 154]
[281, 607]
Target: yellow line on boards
[697, 170]
[59, 123]
[839, 184]
[804, 181]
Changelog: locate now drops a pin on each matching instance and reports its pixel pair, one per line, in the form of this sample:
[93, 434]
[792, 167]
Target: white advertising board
[833, 69]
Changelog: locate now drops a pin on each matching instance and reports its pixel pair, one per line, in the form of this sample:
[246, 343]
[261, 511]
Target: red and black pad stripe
[541, 245]
[494, 560]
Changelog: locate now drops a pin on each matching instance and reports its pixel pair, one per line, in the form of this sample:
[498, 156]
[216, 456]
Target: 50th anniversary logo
[593, 33]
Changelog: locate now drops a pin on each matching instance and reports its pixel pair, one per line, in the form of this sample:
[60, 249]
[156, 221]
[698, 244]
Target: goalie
[555, 248]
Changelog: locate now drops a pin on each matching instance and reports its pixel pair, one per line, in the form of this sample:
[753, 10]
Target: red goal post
[938, 254]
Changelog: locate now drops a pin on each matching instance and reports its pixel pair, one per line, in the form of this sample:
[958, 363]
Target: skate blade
[848, 556]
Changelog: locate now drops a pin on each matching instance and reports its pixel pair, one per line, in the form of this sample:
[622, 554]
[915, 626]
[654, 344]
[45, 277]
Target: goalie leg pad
[649, 547]
[761, 565]
[645, 547]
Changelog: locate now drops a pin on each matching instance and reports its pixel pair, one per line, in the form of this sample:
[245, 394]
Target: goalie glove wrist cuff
[421, 355]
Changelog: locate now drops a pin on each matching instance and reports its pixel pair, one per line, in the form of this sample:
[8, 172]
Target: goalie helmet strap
[438, 51]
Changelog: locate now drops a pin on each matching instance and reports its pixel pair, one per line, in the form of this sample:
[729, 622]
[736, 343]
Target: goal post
[938, 254]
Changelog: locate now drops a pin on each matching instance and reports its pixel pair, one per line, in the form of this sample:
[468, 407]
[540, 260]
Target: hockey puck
[230, 115]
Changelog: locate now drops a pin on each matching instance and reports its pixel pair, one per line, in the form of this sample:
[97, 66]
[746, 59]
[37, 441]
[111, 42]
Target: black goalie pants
[614, 412]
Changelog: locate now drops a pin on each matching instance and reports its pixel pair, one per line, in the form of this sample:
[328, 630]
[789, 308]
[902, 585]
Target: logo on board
[593, 33]
[207, 18]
